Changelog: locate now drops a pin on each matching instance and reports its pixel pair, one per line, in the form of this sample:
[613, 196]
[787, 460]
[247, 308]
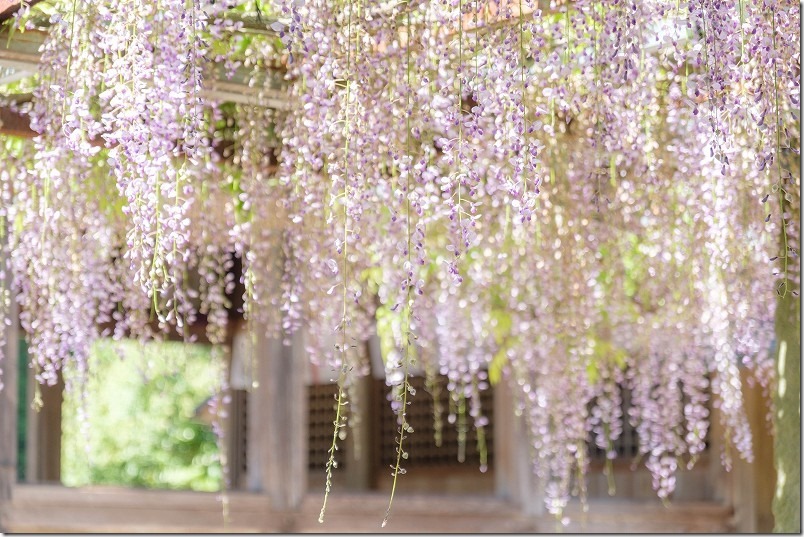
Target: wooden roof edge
[9, 7]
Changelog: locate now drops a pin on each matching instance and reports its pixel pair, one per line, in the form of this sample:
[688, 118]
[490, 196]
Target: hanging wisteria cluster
[582, 198]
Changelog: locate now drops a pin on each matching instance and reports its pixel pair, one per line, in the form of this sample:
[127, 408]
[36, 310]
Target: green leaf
[500, 325]
[496, 366]
[592, 371]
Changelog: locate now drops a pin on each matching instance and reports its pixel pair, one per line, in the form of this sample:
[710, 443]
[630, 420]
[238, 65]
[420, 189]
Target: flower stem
[408, 310]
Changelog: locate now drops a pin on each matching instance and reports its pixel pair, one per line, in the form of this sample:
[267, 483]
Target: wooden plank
[39, 508]
[93, 509]
[20, 50]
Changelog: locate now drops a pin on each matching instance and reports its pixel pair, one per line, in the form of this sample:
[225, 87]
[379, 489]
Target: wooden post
[753, 483]
[358, 475]
[513, 474]
[43, 437]
[277, 432]
[8, 412]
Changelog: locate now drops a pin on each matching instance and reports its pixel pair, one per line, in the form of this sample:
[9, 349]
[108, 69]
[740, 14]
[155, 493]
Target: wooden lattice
[321, 400]
[627, 445]
[420, 445]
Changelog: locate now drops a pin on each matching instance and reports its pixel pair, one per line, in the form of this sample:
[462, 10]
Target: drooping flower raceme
[545, 197]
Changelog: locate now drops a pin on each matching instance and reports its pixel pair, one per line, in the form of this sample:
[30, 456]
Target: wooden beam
[13, 123]
[21, 52]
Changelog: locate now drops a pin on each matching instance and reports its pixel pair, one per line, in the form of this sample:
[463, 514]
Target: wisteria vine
[577, 198]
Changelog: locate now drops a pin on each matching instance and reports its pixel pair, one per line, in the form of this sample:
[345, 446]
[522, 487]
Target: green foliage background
[141, 430]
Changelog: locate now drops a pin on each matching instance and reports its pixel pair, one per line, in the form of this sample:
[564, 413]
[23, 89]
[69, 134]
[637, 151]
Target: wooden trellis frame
[20, 56]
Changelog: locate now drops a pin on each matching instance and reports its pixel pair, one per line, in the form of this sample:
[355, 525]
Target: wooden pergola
[275, 495]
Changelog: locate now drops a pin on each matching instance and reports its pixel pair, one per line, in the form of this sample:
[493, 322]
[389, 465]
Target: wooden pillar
[753, 482]
[277, 428]
[8, 413]
[360, 451]
[514, 479]
[43, 434]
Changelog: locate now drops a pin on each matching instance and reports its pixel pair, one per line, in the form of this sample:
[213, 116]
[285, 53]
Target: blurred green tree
[143, 425]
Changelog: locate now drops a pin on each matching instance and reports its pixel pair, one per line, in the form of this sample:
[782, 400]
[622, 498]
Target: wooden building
[278, 434]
